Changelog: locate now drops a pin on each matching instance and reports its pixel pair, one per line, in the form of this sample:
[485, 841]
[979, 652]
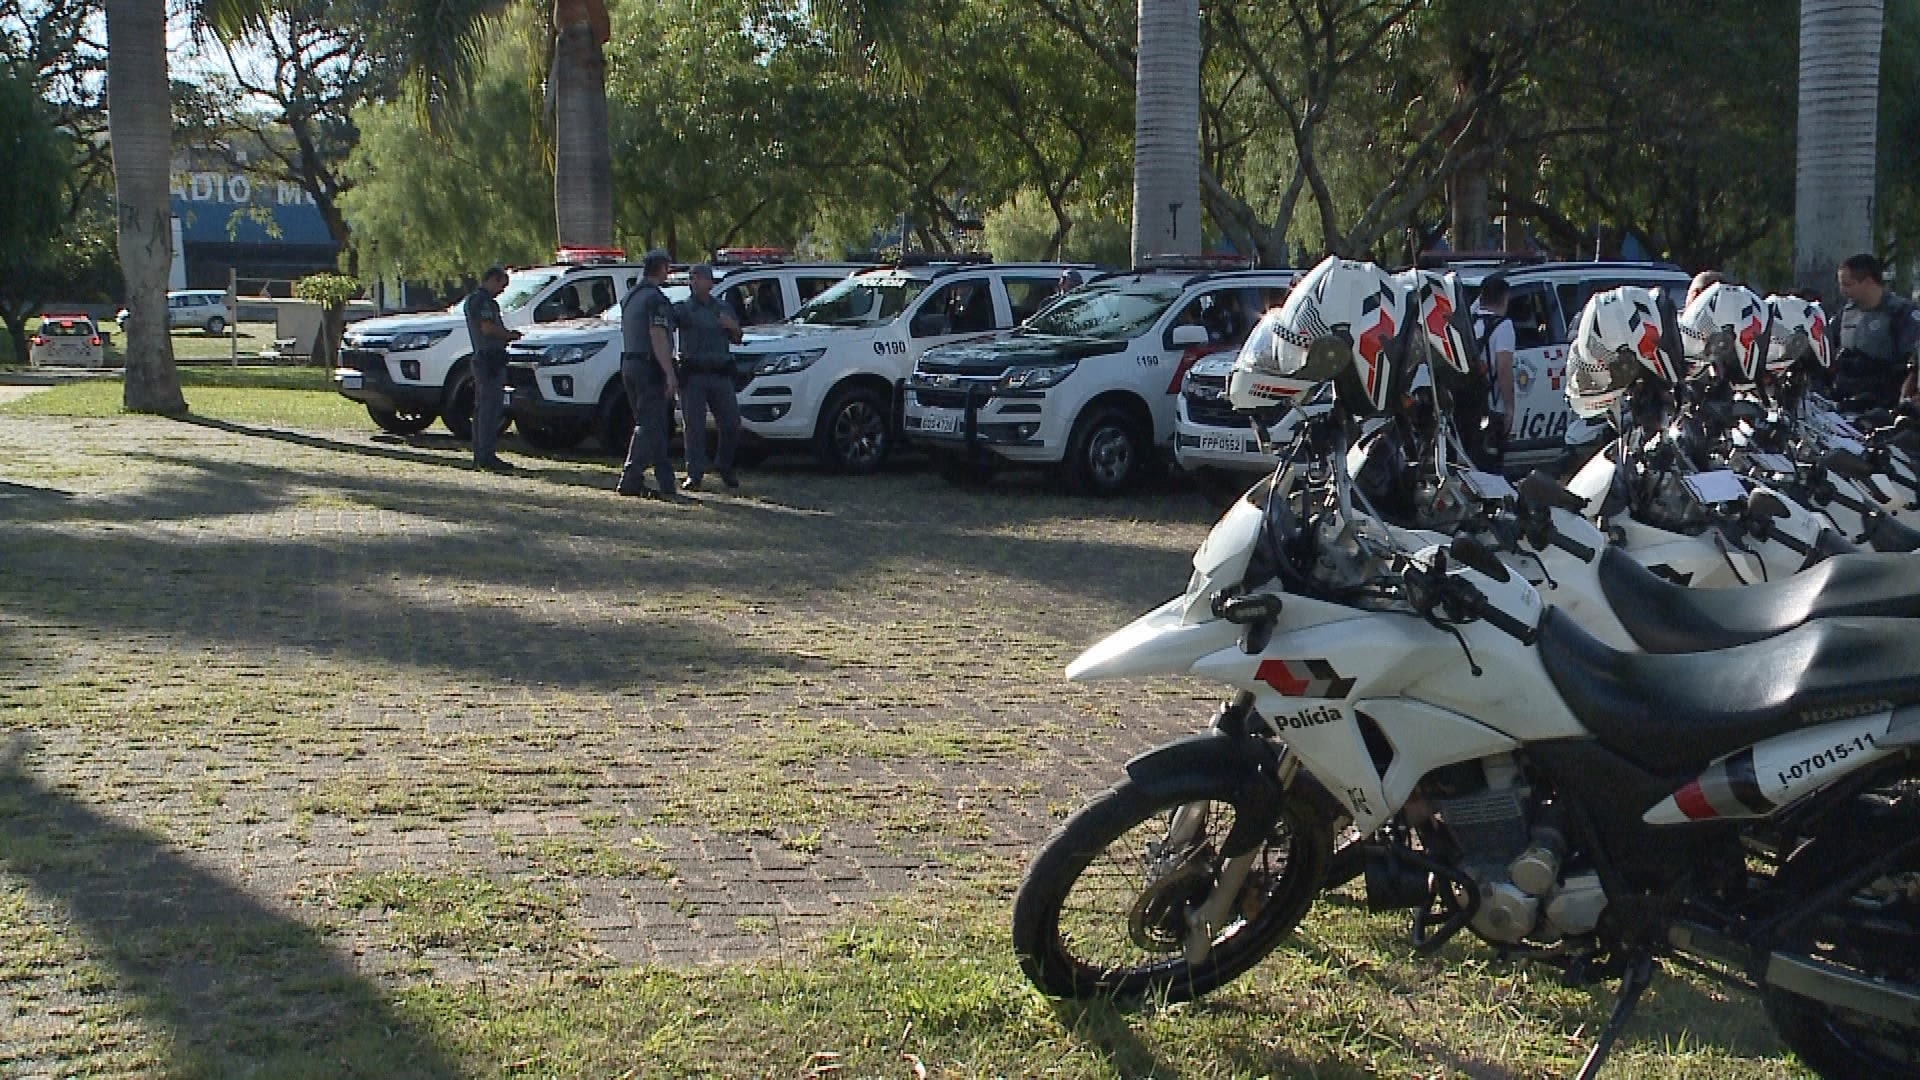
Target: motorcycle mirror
[1471, 554]
[1544, 490]
[1847, 464]
[1766, 505]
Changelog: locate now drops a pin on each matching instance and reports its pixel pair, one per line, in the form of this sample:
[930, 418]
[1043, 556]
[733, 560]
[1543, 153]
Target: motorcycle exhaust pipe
[1807, 977]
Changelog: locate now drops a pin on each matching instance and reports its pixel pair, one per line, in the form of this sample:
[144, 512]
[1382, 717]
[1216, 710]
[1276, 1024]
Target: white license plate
[350, 382]
[940, 423]
[1231, 444]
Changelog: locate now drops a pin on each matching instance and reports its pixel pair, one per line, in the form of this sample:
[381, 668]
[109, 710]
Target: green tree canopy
[441, 207]
[32, 201]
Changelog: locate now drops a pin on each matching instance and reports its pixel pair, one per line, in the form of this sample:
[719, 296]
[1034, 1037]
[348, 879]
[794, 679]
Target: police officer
[489, 337]
[1879, 335]
[708, 332]
[646, 367]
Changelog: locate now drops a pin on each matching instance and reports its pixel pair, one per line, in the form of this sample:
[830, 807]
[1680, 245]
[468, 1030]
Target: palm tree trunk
[583, 158]
[140, 125]
[1166, 130]
[1834, 156]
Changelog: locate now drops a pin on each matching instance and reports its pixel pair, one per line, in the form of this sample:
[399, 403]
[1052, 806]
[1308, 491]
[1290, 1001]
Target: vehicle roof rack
[1437, 260]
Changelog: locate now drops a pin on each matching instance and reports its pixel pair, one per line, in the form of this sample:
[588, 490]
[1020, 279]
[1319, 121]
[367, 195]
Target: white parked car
[410, 369]
[1088, 387]
[831, 378]
[1544, 302]
[67, 341]
[563, 379]
[193, 309]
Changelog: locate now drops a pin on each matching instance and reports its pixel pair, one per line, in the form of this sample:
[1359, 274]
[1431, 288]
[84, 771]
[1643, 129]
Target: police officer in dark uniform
[646, 367]
[489, 338]
[708, 332]
[1878, 337]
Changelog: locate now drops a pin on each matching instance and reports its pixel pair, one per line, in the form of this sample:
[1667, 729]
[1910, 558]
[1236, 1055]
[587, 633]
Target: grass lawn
[291, 396]
[327, 756]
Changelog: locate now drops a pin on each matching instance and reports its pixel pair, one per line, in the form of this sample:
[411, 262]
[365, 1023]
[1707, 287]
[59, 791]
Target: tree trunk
[1467, 202]
[17, 333]
[583, 157]
[1062, 225]
[326, 347]
[1834, 156]
[1166, 131]
[139, 123]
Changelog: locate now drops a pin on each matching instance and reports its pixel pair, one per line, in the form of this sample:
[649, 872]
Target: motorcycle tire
[1059, 946]
[1872, 931]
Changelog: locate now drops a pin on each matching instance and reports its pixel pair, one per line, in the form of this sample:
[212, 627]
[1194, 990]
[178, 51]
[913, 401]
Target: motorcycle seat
[1665, 617]
[1677, 712]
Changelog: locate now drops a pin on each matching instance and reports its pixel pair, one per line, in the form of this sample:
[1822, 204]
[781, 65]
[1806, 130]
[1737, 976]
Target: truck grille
[363, 360]
[1207, 403]
[948, 399]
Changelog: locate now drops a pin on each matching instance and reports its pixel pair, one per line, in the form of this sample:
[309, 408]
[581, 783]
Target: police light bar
[737, 256]
[587, 256]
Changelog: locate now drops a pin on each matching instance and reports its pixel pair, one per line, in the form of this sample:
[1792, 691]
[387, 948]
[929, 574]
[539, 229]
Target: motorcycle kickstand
[1632, 984]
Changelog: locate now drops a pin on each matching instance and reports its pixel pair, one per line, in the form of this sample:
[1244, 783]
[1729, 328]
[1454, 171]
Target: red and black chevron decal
[1728, 789]
[1303, 678]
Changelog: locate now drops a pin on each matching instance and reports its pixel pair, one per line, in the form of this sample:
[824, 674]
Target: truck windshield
[523, 286]
[861, 301]
[1113, 312]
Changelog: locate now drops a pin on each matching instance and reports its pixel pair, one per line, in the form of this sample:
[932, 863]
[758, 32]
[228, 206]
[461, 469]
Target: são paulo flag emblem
[1304, 678]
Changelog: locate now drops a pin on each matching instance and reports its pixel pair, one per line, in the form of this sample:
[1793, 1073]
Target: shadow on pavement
[10, 490]
[521, 578]
[233, 987]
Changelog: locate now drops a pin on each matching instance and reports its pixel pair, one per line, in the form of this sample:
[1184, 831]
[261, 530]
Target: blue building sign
[234, 208]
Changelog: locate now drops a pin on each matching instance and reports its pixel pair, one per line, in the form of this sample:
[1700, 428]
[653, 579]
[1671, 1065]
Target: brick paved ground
[468, 726]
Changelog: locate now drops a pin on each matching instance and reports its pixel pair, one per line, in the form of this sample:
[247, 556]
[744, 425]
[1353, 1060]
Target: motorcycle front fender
[1248, 765]
[1157, 643]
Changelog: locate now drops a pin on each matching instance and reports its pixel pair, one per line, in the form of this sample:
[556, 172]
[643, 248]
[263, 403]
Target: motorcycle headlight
[787, 363]
[417, 339]
[576, 353]
[1035, 378]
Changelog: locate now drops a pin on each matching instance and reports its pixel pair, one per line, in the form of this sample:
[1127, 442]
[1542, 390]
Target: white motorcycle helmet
[1727, 326]
[1622, 334]
[1799, 334]
[1346, 322]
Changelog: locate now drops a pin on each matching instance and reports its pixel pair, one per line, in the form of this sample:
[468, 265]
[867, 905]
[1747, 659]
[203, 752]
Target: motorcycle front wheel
[1874, 931]
[1102, 910]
